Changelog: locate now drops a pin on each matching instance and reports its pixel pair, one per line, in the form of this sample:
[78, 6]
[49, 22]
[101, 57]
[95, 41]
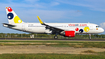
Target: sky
[54, 11]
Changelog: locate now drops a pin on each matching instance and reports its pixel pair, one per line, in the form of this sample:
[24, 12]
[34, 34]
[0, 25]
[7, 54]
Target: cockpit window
[97, 26]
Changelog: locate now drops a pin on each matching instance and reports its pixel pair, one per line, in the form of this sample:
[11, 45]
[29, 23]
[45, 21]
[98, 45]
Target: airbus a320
[64, 29]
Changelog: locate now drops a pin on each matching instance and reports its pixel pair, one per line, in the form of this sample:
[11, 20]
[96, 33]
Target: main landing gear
[56, 37]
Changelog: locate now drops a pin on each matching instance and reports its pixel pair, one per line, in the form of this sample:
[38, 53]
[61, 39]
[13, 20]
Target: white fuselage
[38, 28]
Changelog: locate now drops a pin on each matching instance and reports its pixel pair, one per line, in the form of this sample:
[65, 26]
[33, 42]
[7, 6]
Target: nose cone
[102, 30]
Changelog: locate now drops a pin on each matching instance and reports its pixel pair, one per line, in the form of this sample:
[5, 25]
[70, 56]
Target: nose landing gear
[90, 36]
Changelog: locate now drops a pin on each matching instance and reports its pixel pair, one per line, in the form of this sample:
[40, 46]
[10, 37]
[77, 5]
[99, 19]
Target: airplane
[64, 29]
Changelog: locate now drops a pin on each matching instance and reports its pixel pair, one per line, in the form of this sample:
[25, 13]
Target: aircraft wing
[53, 29]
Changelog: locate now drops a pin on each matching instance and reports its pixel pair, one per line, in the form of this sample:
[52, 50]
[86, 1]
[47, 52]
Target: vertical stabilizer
[12, 16]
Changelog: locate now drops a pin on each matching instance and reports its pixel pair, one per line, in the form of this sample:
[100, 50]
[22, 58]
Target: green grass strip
[50, 56]
[53, 41]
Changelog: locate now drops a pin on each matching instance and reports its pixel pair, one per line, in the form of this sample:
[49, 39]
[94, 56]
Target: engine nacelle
[68, 33]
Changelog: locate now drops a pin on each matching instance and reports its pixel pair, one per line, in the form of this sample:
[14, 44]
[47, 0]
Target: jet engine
[68, 33]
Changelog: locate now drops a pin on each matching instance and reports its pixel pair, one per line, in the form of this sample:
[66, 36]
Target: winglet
[39, 20]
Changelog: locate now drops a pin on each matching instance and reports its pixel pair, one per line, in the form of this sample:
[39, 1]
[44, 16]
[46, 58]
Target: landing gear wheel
[55, 37]
[90, 36]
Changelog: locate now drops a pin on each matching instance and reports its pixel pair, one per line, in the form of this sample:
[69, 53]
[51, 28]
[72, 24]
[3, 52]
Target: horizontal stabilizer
[8, 25]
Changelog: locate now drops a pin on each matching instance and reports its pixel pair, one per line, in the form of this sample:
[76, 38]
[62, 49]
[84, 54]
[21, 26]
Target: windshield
[97, 26]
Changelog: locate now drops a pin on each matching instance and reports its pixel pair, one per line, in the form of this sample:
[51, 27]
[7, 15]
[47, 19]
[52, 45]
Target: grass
[78, 45]
[81, 45]
[53, 41]
[51, 56]
[75, 44]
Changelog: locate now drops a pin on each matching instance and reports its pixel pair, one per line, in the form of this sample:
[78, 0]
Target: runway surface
[52, 39]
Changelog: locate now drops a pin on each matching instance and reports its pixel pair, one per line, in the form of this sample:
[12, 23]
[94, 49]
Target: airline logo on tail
[12, 17]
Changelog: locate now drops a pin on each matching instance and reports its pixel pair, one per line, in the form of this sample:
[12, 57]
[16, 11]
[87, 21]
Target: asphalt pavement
[52, 39]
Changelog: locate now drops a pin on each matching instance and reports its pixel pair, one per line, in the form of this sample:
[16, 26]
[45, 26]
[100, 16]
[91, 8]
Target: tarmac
[52, 39]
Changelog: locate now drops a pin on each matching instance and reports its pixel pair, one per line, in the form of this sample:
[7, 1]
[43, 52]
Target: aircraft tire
[55, 37]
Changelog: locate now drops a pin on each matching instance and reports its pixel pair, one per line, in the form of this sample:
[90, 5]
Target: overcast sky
[54, 11]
